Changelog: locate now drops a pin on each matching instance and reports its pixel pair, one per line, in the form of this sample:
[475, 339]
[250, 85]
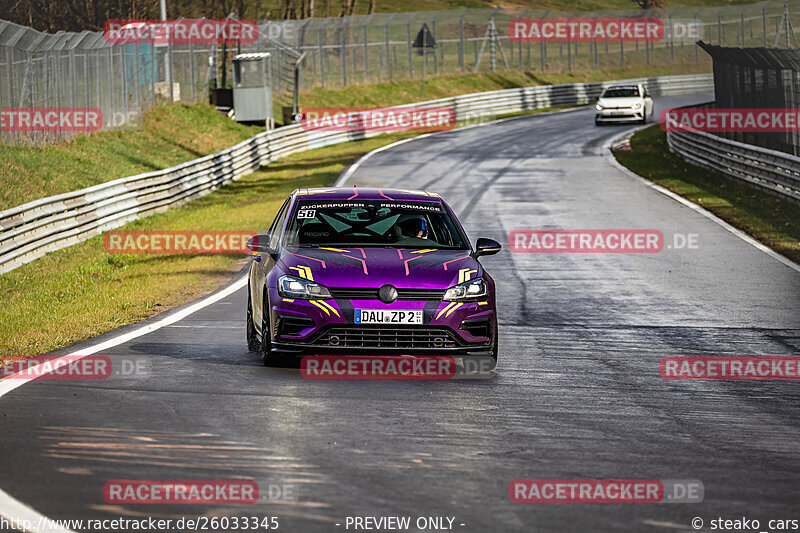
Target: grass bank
[768, 218]
[406, 91]
[169, 135]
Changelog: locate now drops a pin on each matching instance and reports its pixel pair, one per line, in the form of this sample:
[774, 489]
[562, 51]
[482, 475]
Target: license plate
[388, 316]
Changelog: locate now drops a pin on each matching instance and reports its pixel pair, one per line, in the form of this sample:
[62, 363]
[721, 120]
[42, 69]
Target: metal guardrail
[29, 231]
[776, 172]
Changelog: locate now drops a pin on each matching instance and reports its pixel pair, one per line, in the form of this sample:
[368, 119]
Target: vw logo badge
[387, 294]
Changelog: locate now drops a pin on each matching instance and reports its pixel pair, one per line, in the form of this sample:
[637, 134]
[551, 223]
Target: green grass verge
[76, 293]
[768, 218]
[170, 135]
[407, 91]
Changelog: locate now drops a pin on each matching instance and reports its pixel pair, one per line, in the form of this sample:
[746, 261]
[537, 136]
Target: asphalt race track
[577, 393]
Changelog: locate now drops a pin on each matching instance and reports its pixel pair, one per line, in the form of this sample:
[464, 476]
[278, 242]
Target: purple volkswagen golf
[369, 271]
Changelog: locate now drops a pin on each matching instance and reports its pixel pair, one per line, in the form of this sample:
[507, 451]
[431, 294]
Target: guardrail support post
[343, 54]
[410, 62]
[461, 42]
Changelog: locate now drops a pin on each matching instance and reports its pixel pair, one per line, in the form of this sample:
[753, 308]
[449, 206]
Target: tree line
[79, 15]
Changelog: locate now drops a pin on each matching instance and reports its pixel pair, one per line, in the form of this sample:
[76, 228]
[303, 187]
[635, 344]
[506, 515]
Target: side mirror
[486, 247]
[259, 243]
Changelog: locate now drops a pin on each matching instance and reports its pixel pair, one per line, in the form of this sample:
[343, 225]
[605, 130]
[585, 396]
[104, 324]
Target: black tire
[253, 344]
[267, 356]
[597, 122]
[493, 349]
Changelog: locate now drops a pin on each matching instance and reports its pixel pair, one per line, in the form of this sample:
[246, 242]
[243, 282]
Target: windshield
[621, 92]
[373, 223]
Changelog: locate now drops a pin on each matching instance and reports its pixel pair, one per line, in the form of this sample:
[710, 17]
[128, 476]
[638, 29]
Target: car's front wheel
[266, 338]
[493, 349]
[253, 344]
[268, 357]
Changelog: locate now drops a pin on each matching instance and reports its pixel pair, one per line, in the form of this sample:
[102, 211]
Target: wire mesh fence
[380, 47]
[122, 80]
[758, 78]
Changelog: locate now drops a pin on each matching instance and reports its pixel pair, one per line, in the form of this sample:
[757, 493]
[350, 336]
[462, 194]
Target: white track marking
[11, 508]
[694, 207]
[37, 523]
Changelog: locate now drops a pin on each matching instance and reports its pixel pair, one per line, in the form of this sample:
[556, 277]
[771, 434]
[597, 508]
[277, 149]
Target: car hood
[404, 268]
[619, 102]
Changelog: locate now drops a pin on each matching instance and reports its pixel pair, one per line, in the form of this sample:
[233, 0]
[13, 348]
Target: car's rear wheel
[253, 344]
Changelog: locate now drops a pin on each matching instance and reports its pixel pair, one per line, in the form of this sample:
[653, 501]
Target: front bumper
[621, 114]
[308, 327]
[384, 340]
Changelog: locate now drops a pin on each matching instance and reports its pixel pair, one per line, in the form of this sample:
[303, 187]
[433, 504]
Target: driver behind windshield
[411, 229]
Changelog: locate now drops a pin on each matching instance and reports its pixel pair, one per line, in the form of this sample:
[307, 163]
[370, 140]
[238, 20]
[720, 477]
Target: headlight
[291, 287]
[468, 290]
[598, 107]
[637, 105]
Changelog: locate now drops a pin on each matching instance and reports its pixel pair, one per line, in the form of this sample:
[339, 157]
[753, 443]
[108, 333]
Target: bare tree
[73, 15]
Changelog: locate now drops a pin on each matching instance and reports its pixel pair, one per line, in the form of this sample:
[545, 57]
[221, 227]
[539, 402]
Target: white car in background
[623, 103]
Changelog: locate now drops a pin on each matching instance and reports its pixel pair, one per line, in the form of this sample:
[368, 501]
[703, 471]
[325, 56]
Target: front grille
[344, 293]
[383, 337]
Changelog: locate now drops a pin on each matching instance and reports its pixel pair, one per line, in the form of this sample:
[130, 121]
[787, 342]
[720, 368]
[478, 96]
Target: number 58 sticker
[306, 213]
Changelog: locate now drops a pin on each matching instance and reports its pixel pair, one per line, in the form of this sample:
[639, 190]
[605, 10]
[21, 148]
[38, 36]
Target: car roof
[365, 193]
[628, 86]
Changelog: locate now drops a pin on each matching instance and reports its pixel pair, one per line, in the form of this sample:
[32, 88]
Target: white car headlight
[468, 290]
[292, 287]
[637, 105]
[598, 107]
